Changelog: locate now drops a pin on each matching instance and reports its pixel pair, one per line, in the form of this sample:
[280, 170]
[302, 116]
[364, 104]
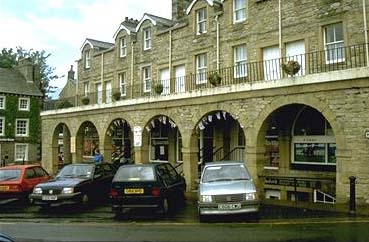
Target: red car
[18, 181]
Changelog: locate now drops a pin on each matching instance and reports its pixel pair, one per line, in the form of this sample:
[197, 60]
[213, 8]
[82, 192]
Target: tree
[9, 59]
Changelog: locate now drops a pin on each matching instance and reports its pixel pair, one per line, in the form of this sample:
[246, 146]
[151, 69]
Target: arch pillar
[190, 167]
[66, 145]
[343, 173]
[142, 152]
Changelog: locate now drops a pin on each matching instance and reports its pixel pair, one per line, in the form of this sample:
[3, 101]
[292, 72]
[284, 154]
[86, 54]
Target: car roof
[217, 163]
[19, 166]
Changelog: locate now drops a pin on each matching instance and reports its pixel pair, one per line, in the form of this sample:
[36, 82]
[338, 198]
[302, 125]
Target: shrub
[85, 100]
[215, 78]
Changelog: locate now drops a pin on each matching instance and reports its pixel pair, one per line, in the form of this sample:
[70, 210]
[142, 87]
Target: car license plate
[4, 188]
[229, 206]
[133, 191]
[50, 198]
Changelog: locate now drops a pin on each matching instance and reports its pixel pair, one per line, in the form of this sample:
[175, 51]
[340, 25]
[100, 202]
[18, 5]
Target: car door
[41, 174]
[176, 181]
[30, 179]
[108, 172]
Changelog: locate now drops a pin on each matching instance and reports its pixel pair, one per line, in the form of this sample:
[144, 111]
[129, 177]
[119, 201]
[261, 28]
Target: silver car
[226, 188]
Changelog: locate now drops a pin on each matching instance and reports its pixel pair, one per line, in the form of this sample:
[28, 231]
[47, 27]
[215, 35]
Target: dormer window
[123, 47]
[147, 38]
[87, 59]
[201, 21]
[239, 10]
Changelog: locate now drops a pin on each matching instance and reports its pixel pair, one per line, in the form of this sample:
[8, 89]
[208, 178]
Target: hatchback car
[75, 184]
[155, 186]
[18, 181]
[226, 188]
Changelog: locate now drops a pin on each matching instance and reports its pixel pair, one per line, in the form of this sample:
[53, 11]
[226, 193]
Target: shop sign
[137, 136]
[291, 182]
[6, 140]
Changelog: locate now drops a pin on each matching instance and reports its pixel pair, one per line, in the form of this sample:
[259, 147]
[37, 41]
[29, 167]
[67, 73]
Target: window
[2, 102]
[165, 81]
[2, 126]
[239, 10]
[87, 59]
[86, 88]
[147, 38]
[108, 92]
[99, 93]
[123, 83]
[271, 63]
[334, 43]
[240, 58]
[21, 127]
[23, 104]
[146, 76]
[201, 21]
[123, 47]
[201, 68]
[21, 152]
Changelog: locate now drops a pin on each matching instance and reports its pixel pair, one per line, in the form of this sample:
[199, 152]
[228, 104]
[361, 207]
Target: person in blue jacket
[98, 158]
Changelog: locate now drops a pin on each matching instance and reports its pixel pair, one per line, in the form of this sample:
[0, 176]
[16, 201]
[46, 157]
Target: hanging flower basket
[85, 100]
[291, 67]
[158, 88]
[215, 78]
[117, 95]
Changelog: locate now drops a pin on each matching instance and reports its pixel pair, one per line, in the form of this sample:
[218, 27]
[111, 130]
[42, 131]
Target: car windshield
[76, 171]
[135, 173]
[225, 173]
[10, 175]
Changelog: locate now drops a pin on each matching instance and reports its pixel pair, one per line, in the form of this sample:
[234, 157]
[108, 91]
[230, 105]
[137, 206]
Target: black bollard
[352, 195]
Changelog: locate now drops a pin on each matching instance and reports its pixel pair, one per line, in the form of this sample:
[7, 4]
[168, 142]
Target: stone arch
[84, 148]
[60, 147]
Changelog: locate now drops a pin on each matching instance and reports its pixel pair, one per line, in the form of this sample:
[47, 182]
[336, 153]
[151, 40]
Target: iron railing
[260, 71]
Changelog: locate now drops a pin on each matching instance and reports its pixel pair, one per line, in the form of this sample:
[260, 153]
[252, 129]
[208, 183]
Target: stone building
[283, 88]
[20, 124]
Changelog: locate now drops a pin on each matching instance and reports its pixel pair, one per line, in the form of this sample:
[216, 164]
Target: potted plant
[215, 78]
[64, 104]
[117, 95]
[158, 88]
[85, 100]
[291, 67]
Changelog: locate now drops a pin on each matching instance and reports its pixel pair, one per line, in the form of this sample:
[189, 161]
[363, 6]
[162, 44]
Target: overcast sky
[60, 26]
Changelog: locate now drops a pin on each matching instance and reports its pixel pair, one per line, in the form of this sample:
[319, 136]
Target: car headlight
[68, 190]
[251, 196]
[206, 198]
[37, 190]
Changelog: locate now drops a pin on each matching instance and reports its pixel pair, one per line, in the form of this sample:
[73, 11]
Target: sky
[61, 26]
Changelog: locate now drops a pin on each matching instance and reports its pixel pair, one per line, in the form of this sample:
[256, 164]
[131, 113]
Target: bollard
[352, 195]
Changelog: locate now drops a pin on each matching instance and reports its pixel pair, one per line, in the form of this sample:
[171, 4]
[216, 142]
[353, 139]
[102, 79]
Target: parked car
[226, 188]
[155, 186]
[75, 184]
[5, 238]
[18, 181]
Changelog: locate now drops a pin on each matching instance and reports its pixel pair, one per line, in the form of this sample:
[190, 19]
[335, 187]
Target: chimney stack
[71, 73]
[179, 8]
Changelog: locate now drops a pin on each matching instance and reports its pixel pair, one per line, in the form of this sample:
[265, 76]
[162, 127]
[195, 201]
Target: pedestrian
[98, 158]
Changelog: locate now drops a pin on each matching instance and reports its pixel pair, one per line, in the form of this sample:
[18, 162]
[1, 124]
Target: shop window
[272, 194]
[159, 142]
[298, 196]
[91, 140]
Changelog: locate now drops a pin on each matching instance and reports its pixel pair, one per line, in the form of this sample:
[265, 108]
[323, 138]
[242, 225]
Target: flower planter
[215, 79]
[291, 67]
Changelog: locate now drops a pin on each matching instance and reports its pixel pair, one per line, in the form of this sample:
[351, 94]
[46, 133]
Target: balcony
[249, 76]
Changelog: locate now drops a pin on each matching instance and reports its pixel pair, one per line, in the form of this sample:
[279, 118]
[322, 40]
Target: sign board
[137, 136]
[73, 144]
[367, 134]
[291, 182]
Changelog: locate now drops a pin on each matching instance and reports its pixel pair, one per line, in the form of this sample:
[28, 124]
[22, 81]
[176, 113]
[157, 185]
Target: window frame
[3, 102]
[239, 72]
[123, 47]
[123, 83]
[201, 22]
[16, 145]
[146, 80]
[243, 8]
[86, 88]
[27, 99]
[17, 127]
[87, 59]
[201, 71]
[2, 126]
[334, 43]
[147, 38]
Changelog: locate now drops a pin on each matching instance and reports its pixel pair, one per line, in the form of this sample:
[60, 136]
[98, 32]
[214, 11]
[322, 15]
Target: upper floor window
[2, 102]
[123, 47]
[23, 104]
[239, 10]
[123, 83]
[21, 128]
[334, 43]
[240, 58]
[201, 68]
[2, 126]
[87, 59]
[146, 76]
[86, 88]
[201, 21]
[147, 38]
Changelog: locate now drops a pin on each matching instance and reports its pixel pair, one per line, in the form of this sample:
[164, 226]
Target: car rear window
[225, 173]
[135, 173]
[10, 175]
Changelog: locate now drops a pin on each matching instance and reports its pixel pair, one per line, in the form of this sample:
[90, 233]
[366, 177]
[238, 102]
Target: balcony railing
[260, 71]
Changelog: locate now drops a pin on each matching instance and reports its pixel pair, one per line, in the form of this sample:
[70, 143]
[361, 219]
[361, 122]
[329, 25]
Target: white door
[165, 81]
[99, 93]
[296, 51]
[271, 63]
[180, 73]
[108, 92]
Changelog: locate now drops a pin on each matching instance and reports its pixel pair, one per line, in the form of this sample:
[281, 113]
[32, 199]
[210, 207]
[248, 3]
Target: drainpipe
[280, 28]
[170, 57]
[365, 34]
[217, 22]
[76, 101]
[132, 72]
[102, 76]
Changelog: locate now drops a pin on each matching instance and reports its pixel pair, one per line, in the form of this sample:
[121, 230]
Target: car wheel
[165, 206]
[85, 199]
[203, 218]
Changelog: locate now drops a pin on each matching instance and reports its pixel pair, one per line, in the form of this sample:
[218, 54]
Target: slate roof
[13, 82]
[100, 44]
[160, 20]
[130, 24]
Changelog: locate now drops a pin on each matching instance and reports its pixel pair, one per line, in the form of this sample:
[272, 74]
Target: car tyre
[165, 206]
[85, 199]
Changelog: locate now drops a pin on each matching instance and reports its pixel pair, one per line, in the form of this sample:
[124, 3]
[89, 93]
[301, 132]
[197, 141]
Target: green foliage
[158, 88]
[64, 104]
[9, 59]
[85, 100]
